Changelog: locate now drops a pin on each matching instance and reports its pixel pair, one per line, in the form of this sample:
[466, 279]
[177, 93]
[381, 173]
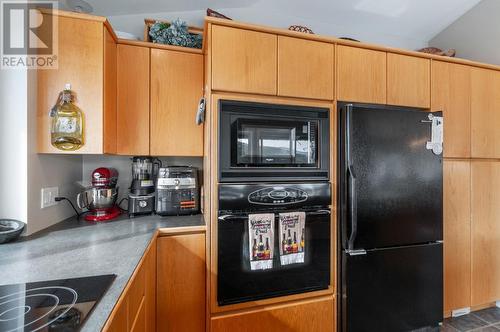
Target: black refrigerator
[390, 218]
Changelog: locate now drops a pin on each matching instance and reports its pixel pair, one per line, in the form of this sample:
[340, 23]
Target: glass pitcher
[67, 128]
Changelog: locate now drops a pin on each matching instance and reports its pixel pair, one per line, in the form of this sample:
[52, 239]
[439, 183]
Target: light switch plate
[49, 196]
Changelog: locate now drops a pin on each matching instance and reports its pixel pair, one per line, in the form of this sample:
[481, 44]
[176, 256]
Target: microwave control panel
[277, 196]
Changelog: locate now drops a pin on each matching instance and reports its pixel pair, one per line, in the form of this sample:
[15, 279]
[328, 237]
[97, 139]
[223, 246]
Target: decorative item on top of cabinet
[84, 63]
[305, 68]
[457, 235]
[408, 81]
[485, 179]
[133, 100]
[451, 94]
[485, 113]
[361, 75]
[176, 87]
[181, 283]
[243, 60]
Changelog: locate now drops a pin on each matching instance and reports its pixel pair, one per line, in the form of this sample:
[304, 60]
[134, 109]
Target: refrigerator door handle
[353, 208]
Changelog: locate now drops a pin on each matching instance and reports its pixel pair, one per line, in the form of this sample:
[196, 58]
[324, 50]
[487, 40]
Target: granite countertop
[73, 248]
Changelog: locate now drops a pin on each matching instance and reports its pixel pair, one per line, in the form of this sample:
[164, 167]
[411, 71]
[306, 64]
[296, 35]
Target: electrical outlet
[49, 196]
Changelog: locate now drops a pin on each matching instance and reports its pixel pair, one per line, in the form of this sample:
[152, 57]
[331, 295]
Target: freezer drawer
[397, 289]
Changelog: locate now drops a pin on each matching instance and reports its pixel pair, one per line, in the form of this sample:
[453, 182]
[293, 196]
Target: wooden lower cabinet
[181, 283]
[313, 315]
[136, 308]
[457, 235]
[485, 232]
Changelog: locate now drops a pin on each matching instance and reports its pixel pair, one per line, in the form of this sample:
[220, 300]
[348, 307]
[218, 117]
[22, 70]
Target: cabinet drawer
[305, 68]
[316, 315]
[243, 60]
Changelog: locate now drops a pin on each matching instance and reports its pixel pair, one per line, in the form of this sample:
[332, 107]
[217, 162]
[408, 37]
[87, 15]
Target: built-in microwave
[270, 142]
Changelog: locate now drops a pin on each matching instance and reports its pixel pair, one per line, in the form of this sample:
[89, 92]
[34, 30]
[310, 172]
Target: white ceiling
[399, 23]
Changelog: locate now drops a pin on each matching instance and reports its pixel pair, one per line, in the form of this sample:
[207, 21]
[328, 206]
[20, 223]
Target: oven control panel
[277, 196]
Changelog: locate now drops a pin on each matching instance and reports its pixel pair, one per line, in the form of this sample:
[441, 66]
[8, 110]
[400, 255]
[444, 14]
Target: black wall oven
[269, 142]
[236, 280]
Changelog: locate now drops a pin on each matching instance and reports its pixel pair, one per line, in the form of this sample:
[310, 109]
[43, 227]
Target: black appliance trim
[229, 174]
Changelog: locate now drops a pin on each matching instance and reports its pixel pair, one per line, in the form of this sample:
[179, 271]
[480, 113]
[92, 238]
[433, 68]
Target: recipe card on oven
[261, 244]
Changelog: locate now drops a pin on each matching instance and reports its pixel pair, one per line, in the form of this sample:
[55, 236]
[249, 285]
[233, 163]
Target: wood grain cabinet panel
[181, 283]
[136, 307]
[457, 235]
[485, 232]
[176, 88]
[451, 94]
[80, 63]
[110, 87]
[305, 68]
[408, 81]
[133, 100]
[315, 315]
[485, 113]
[243, 60]
[361, 75]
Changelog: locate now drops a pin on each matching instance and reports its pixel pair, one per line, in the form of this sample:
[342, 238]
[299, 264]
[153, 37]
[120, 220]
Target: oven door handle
[228, 217]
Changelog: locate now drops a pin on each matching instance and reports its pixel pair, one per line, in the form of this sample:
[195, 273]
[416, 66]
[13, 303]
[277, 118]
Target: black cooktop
[55, 306]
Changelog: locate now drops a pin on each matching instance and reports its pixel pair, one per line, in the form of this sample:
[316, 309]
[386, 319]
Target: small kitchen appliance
[55, 305]
[101, 197]
[141, 198]
[177, 191]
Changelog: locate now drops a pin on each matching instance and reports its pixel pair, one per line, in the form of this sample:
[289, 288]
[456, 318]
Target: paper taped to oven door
[261, 244]
[292, 229]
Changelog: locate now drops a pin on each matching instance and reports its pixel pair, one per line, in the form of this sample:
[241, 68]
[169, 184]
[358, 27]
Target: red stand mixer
[100, 199]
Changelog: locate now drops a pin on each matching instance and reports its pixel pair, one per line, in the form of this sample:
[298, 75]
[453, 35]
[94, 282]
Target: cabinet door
[243, 60]
[408, 81]
[485, 232]
[133, 100]
[457, 231]
[181, 283]
[485, 113]
[109, 139]
[316, 315]
[176, 87]
[80, 63]
[305, 68]
[119, 320]
[149, 266]
[361, 75]
[451, 94]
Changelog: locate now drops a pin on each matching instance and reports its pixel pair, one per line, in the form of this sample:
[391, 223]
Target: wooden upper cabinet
[86, 63]
[133, 100]
[305, 68]
[451, 94]
[244, 60]
[181, 283]
[485, 113]
[408, 81]
[176, 88]
[361, 75]
[457, 234]
[485, 232]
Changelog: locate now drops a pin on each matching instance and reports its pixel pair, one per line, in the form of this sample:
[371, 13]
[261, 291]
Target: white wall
[475, 35]
[13, 144]
[46, 170]
[358, 29]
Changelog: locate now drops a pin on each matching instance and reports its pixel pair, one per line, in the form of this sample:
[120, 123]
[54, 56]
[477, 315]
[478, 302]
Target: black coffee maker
[141, 198]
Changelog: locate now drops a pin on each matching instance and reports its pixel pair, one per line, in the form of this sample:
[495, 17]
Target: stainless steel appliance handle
[227, 217]
[353, 206]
